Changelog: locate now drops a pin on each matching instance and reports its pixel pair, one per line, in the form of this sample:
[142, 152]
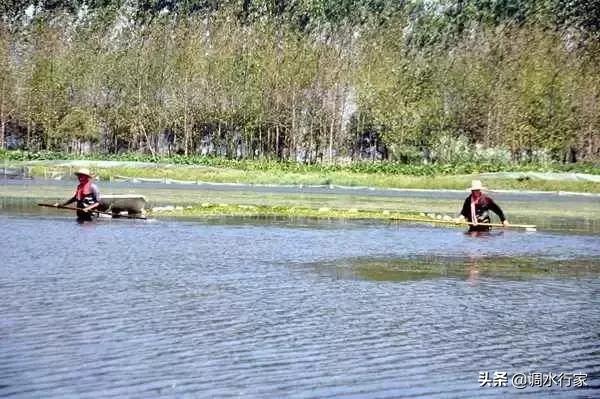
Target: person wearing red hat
[477, 206]
[86, 195]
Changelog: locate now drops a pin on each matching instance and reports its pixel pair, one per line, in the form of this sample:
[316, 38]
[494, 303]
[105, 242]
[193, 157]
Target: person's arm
[95, 197]
[67, 202]
[466, 209]
[496, 209]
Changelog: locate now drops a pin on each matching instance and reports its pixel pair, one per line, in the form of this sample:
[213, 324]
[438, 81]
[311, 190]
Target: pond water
[281, 309]
[549, 211]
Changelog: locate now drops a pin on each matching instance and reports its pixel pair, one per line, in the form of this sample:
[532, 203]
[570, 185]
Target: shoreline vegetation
[193, 169]
[196, 202]
[214, 201]
[317, 82]
[296, 206]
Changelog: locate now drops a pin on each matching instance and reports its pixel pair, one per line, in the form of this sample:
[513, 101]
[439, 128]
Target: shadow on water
[459, 267]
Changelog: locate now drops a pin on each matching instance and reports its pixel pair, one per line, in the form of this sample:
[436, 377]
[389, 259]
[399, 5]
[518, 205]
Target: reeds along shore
[274, 173]
[311, 82]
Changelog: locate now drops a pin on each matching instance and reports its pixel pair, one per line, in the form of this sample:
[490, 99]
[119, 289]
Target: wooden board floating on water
[527, 227]
[132, 204]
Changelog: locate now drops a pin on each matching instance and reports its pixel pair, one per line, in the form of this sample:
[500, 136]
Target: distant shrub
[477, 161]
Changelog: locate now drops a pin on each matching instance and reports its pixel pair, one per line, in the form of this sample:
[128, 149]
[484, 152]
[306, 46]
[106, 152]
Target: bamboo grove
[340, 81]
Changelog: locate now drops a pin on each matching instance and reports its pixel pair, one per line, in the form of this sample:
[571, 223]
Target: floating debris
[167, 208]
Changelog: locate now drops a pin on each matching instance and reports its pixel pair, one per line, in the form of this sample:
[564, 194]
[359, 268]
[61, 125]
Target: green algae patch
[209, 210]
[464, 268]
[569, 214]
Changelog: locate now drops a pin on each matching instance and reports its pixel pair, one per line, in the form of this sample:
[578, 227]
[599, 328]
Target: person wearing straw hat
[86, 195]
[477, 206]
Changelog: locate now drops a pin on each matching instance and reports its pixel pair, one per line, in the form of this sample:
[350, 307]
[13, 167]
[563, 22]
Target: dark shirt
[88, 199]
[482, 208]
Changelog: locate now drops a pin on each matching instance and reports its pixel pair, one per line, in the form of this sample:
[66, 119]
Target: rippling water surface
[277, 309]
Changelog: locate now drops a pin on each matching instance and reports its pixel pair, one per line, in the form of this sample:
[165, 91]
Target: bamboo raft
[527, 227]
[96, 211]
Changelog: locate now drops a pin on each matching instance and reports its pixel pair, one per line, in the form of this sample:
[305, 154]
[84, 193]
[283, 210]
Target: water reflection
[468, 268]
[473, 271]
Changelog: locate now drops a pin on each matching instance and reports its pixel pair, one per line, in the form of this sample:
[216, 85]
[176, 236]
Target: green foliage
[462, 163]
[79, 124]
[282, 80]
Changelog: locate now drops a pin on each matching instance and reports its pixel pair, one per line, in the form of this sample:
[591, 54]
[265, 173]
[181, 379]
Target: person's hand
[87, 209]
[505, 223]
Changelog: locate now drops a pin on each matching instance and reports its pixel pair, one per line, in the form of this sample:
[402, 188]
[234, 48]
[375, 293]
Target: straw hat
[84, 171]
[476, 185]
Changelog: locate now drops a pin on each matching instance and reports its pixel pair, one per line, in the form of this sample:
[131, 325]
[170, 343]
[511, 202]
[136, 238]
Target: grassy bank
[340, 178]
[370, 174]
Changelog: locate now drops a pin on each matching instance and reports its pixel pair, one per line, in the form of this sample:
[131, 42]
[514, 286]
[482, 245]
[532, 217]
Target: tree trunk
[331, 132]
[2, 127]
[219, 134]
[591, 143]
[268, 142]
[28, 126]
[2, 122]
[293, 130]
[260, 143]
[2, 133]
[185, 129]
[277, 141]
